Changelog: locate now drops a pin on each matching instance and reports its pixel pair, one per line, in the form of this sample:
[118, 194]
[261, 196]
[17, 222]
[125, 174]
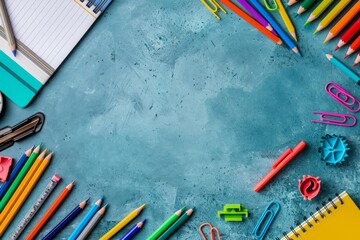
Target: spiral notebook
[46, 32]
[338, 219]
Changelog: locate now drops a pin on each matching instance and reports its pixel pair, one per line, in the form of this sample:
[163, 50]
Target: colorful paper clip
[215, 9]
[343, 97]
[309, 187]
[337, 119]
[28, 127]
[213, 231]
[268, 215]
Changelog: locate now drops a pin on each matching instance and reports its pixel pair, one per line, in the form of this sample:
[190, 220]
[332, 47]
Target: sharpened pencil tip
[14, 53]
[346, 55]
[337, 47]
[306, 23]
[316, 31]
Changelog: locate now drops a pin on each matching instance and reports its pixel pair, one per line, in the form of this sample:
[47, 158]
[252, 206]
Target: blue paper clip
[265, 220]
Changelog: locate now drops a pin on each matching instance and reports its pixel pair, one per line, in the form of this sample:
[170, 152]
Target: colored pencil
[92, 224]
[357, 60]
[120, 225]
[7, 27]
[343, 68]
[291, 2]
[318, 11]
[50, 211]
[285, 17]
[251, 21]
[332, 15]
[26, 192]
[19, 190]
[133, 231]
[305, 6]
[256, 15]
[276, 26]
[166, 225]
[86, 219]
[339, 26]
[66, 220]
[353, 47]
[349, 34]
[35, 207]
[19, 178]
[171, 230]
[15, 172]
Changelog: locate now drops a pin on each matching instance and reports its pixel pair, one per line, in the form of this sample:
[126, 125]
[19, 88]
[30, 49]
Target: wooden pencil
[305, 6]
[50, 211]
[92, 224]
[339, 26]
[349, 34]
[353, 47]
[343, 68]
[285, 17]
[7, 27]
[357, 60]
[292, 2]
[318, 11]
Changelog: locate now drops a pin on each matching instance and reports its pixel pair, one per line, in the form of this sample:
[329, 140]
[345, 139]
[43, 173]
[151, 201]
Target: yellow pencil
[25, 193]
[122, 223]
[332, 15]
[285, 17]
[22, 186]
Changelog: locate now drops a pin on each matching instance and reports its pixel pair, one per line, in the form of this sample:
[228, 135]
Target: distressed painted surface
[163, 104]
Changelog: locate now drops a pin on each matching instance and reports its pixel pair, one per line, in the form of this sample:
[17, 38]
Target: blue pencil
[133, 231]
[15, 172]
[343, 68]
[60, 226]
[276, 26]
[86, 219]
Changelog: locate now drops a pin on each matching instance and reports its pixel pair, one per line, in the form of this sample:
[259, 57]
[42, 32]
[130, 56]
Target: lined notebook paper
[338, 219]
[46, 32]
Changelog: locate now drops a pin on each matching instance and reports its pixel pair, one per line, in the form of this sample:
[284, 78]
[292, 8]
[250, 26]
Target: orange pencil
[54, 206]
[339, 26]
[357, 60]
[251, 21]
[353, 47]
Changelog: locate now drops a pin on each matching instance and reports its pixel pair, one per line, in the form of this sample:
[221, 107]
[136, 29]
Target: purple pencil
[256, 15]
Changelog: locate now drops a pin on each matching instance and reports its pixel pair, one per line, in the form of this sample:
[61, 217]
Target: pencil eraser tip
[56, 178]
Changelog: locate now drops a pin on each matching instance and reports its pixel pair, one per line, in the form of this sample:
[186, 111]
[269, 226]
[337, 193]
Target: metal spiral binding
[318, 210]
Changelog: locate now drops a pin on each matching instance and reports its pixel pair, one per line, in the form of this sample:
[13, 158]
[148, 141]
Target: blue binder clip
[265, 220]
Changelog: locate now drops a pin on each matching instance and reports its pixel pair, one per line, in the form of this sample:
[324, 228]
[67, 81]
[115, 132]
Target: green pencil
[19, 178]
[177, 224]
[305, 6]
[166, 225]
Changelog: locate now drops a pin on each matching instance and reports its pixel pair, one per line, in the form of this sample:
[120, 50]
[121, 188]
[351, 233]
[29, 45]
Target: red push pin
[309, 187]
[5, 164]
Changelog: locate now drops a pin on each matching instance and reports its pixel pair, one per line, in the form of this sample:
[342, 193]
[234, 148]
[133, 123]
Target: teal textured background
[163, 104]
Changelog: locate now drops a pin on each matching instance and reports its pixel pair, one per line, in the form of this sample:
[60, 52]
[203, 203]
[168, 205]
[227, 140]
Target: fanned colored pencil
[26, 192]
[166, 225]
[318, 11]
[256, 15]
[133, 231]
[35, 207]
[285, 17]
[332, 15]
[349, 34]
[339, 26]
[251, 21]
[51, 210]
[353, 47]
[289, 42]
[19, 178]
[291, 2]
[357, 60]
[66, 220]
[343, 68]
[120, 225]
[92, 224]
[171, 230]
[86, 219]
[305, 6]
[15, 172]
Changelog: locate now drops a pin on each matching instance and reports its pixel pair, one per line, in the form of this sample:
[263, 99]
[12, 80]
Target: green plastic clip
[233, 213]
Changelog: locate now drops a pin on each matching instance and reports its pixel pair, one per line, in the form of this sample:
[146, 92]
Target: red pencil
[346, 37]
[357, 60]
[251, 21]
[353, 47]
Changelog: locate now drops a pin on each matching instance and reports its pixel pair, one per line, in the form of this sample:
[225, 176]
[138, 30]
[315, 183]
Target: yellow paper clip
[215, 9]
[213, 230]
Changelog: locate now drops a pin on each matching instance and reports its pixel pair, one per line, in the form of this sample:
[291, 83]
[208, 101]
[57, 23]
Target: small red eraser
[5, 164]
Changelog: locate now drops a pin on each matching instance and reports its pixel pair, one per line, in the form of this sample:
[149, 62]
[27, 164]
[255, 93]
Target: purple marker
[256, 15]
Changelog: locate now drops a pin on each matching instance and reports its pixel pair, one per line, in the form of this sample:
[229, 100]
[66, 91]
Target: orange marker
[54, 206]
[284, 159]
[353, 47]
[251, 21]
[339, 26]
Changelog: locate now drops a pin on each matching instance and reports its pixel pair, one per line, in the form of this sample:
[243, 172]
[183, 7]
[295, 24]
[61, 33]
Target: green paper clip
[233, 213]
